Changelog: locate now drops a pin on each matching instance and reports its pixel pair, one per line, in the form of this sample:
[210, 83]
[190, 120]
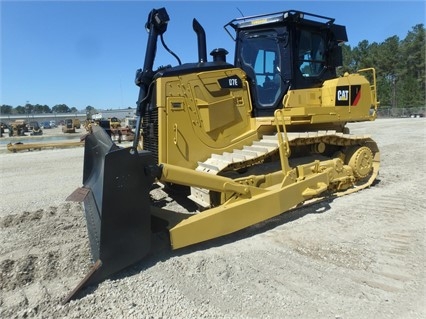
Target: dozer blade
[116, 185]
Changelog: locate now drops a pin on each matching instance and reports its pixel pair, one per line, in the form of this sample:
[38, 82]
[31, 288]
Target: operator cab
[283, 51]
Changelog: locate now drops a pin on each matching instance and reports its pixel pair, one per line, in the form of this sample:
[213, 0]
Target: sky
[82, 53]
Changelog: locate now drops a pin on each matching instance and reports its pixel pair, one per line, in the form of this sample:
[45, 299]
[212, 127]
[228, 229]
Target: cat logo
[342, 95]
[348, 95]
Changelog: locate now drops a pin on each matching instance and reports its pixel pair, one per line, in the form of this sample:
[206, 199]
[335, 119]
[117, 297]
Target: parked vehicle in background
[68, 126]
[46, 125]
[130, 122]
[18, 128]
[76, 123]
[32, 124]
[35, 128]
[3, 127]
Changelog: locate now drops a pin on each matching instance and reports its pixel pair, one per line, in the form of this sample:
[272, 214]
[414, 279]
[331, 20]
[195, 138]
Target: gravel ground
[358, 256]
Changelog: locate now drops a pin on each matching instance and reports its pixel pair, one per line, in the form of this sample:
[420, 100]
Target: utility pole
[393, 94]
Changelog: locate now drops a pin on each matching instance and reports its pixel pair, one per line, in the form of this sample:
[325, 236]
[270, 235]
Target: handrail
[373, 88]
[284, 146]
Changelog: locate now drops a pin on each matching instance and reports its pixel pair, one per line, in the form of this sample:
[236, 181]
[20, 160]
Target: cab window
[261, 61]
[311, 54]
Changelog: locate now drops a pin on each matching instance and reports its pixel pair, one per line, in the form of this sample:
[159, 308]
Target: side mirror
[336, 56]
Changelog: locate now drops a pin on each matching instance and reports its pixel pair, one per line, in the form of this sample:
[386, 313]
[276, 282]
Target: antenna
[240, 12]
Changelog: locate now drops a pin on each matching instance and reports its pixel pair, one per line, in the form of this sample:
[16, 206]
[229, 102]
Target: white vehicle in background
[97, 117]
[130, 122]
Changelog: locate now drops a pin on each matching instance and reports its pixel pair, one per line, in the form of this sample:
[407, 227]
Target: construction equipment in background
[34, 128]
[3, 128]
[68, 126]
[113, 128]
[118, 133]
[247, 141]
[114, 122]
[76, 122]
[18, 128]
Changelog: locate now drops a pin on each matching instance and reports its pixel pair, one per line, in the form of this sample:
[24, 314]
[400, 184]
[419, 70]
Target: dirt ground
[358, 256]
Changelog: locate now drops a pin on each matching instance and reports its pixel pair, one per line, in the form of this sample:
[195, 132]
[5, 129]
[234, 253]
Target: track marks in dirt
[394, 266]
[43, 255]
[14, 220]
[391, 239]
[17, 273]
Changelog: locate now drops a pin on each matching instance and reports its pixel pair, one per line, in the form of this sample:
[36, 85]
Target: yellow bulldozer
[68, 126]
[246, 140]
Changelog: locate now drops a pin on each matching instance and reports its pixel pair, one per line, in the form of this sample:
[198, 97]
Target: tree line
[36, 109]
[399, 63]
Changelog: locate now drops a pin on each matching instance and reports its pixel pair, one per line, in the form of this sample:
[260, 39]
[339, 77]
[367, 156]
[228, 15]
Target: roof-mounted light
[298, 15]
[259, 21]
[272, 18]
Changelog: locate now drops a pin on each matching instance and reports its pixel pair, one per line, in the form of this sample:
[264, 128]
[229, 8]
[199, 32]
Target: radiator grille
[150, 132]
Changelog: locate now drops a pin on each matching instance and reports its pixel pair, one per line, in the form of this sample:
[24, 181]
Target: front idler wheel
[360, 159]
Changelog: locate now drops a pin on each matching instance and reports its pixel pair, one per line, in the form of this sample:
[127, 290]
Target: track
[267, 147]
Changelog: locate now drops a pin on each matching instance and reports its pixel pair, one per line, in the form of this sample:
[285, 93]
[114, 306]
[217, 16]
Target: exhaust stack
[201, 38]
